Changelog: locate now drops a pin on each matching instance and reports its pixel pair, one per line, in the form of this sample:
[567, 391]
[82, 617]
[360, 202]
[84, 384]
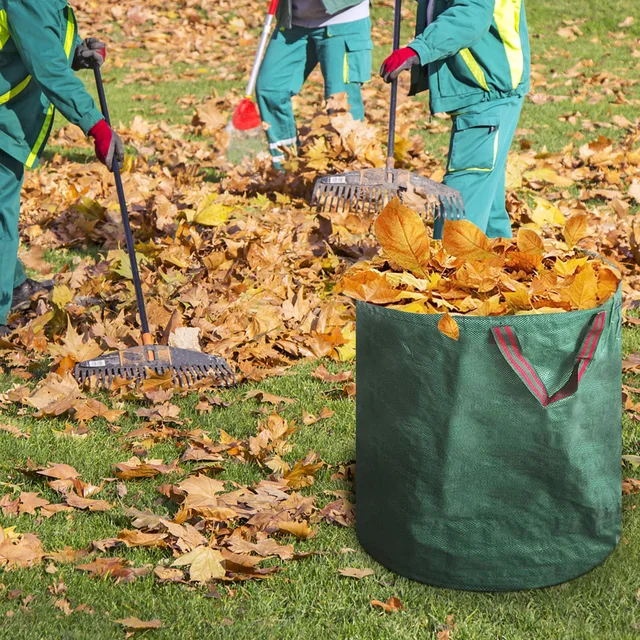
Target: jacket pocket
[474, 143]
[357, 60]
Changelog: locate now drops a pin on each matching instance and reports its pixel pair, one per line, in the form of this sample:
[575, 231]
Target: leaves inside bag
[467, 273]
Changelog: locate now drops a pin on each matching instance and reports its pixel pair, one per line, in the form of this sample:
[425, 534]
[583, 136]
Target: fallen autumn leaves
[216, 531]
[469, 274]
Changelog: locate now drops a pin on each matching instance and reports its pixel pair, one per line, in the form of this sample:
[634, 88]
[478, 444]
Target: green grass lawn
[309, 599]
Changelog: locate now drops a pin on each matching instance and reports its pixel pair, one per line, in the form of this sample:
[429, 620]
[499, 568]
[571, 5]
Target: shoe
[23, 293]
[4, 331]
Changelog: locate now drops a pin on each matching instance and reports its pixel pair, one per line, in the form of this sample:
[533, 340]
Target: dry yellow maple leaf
[300, 530]
[61, 296]
[212, 213]
[449, 326]
[165, 574]
[575, 229]
[133, 538]
[548, 175]
[88, 409]
[136, 468]
[317, 155]
[462, 239]
[546, 213]
[205, 564]
[518, 299]
[116, 568]
[20, 551]
[309, 419]
[368, 286]
[608, 282]
[75, 346]
[403, 236]
[30, 501]
[530, 242]
[569, 267]
[55, 394]
[201, 490]
[321, 373]
[59, 472]
[583, 291]
[76, 501]
[302, 474]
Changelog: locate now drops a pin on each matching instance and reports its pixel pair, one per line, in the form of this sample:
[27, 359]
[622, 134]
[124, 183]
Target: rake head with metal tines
[187, 367]
[369, 190]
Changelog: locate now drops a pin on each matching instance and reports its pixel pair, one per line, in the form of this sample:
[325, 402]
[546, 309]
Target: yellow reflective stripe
[507, 18]
[345, 68]
[33, 156]
[4, 28]
[15, 91]
[68, 44]
[71, 32]
[4, 37]
[475, 69]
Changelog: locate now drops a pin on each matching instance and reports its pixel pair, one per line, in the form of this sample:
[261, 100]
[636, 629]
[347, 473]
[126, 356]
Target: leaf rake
[369, 190]
[187, 367]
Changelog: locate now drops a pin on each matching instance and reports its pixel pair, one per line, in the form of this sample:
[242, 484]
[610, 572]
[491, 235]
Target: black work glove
[90, 53]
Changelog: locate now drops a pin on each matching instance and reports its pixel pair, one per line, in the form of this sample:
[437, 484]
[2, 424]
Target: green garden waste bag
[493, 462]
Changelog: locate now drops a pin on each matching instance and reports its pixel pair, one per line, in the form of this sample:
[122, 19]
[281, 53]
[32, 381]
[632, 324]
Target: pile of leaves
[469, 274]
[245, 264]
[239, 258]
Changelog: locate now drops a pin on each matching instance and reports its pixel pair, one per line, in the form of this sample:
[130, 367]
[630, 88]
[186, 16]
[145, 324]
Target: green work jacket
[37, 41]
[471, 51]
[285, 11]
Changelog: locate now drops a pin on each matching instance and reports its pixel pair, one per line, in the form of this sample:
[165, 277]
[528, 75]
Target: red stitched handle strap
[509, 346]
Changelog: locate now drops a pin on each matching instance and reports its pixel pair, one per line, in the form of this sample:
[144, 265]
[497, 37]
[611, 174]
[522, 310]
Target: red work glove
[400, 60]
[108, 144]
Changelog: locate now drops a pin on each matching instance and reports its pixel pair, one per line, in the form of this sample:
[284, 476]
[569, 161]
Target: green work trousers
[12, 272]
[344, 54]
[481, 136]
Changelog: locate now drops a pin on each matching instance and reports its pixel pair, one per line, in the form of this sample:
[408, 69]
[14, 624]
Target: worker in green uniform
[334, 33]
[39, 51]
[473, 56]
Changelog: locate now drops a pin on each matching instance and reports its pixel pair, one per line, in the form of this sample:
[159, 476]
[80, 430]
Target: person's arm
[459, 27]
[33, 27]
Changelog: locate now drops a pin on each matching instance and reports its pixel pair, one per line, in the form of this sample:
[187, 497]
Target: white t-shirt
[311, 14]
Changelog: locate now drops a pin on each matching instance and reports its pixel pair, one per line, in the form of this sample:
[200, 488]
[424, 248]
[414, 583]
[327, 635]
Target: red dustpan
[246, 116]
[246, 137]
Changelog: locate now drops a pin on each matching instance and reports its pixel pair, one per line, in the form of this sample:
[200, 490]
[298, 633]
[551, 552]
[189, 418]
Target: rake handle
[391, 141]
[146, 336]
[262, 46]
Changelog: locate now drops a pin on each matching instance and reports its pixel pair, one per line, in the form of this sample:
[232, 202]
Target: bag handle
[507, 341]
